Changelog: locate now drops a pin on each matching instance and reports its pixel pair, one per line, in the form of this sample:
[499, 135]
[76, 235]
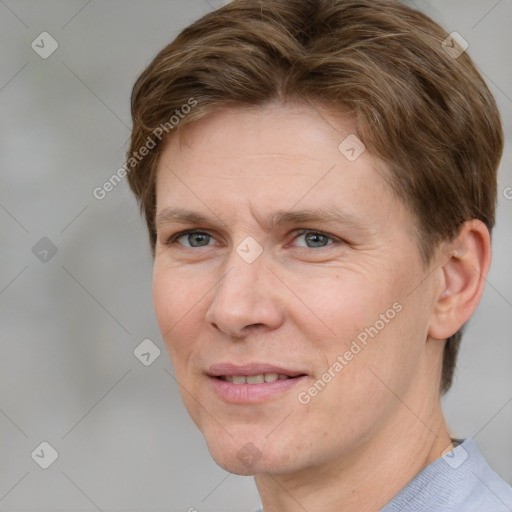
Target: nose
[246, 299]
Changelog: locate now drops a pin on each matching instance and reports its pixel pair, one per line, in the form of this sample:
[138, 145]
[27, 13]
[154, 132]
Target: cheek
[175, 301]
[352, 302]
[373, 320]
[381, 349]
[366, 376]
[165, 300]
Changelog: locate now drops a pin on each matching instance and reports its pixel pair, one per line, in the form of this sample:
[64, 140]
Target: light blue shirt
[460, 481]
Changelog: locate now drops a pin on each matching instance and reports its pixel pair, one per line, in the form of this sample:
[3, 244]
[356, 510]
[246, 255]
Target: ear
[465, 263]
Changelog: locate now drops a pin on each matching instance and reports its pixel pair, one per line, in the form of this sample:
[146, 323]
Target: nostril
[253, 327]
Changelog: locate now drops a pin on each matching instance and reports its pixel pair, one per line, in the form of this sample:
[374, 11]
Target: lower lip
[252, 393]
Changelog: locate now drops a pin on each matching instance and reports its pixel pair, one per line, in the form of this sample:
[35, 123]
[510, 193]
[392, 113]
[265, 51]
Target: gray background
[69, 325]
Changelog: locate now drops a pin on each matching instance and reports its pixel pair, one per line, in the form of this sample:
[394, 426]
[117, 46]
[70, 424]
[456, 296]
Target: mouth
[255, 379]
[252, 383]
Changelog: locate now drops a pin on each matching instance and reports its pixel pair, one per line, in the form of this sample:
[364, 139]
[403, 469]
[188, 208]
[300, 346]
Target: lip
[219, 369]
[252, 393]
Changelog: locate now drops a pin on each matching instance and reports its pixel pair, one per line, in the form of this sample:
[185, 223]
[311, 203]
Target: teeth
[254, 379]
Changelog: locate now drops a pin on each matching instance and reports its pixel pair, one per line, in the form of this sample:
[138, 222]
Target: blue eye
[316, 238]
[193, 237]
[196, 239]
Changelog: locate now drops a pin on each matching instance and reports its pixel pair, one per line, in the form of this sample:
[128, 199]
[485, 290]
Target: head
[260, 110]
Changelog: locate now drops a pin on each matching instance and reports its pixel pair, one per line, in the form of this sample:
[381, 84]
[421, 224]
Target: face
[290, 301]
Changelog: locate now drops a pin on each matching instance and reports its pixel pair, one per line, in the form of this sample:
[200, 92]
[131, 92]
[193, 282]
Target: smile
[252, 383]
[253, 379]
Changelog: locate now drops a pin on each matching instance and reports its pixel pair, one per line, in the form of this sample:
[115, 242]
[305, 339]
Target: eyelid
[170, 240]
[303, 231]
[297, 232]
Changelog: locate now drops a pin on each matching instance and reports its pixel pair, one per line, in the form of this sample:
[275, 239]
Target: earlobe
[464, 262]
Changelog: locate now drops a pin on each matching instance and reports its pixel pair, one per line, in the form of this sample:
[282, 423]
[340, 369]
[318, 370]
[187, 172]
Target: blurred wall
[75, 271]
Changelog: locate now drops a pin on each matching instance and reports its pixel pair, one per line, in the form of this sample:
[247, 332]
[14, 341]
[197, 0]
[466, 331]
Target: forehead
[279, 157]
[276, 140]
[294, 130]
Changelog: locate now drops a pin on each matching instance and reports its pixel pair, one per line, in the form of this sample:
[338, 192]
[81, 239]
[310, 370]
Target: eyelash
[301, 232]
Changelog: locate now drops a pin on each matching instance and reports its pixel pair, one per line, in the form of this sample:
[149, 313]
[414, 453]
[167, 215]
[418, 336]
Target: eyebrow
[278, 218]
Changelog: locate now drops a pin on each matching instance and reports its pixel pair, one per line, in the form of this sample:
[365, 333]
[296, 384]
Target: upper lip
[221, 369]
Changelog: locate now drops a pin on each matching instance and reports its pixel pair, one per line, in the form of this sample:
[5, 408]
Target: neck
[366, 478]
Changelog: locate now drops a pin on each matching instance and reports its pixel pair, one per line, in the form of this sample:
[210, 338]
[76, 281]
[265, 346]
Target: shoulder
[459, 481]
[486, 490]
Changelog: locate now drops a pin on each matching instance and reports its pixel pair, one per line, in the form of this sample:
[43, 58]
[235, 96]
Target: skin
[303, 301]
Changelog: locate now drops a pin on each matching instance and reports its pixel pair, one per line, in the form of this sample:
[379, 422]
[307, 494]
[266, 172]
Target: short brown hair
[426, 113]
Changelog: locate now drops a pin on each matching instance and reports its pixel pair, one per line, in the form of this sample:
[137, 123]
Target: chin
[230, 462]
[236, 467]
[246, 456]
